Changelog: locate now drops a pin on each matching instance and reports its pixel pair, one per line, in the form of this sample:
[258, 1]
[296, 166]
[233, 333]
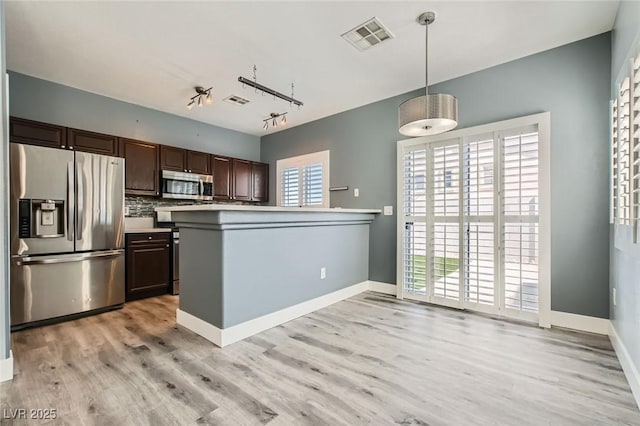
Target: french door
[471, 205]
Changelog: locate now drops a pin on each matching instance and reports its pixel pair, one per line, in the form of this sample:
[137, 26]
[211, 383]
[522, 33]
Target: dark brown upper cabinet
[173, 159]
[221, 177]
[141, 167]
[260, 182]
[36, 133]
[241, 180]
[183, 160]
[198, 162]
[96, 143]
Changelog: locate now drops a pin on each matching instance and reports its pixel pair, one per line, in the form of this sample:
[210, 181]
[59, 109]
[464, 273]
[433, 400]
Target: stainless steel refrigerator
[67, 233]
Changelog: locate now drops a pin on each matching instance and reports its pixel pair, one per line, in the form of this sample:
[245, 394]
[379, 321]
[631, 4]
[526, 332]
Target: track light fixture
[197, 98]
[273, 118]
[264, 89]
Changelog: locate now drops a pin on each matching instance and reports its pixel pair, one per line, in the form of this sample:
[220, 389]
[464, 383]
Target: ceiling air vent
[236, 100]
[367, 35]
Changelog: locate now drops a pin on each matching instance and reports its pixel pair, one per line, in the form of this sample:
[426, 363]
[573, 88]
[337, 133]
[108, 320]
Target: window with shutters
[474, 228]
[624, 155]
[625, 150]
[303, 181]
[614, 162]
[635, 144]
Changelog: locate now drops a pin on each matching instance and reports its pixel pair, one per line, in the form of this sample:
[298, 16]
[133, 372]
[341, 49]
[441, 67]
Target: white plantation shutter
[415, 230]
[479, 238]
[614, 161]
[624, 156]
[444, 259]
[290, 187]
[635, 139]
[312, 178]
[414, 183]
[520, 209]
[303, 181]
[415, 257]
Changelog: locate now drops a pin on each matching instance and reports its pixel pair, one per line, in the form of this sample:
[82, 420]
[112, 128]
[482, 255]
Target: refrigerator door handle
[80, 208]
[46, 260]
[70, 201]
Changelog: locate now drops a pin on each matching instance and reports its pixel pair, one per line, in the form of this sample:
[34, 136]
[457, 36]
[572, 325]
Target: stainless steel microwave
[186, 186]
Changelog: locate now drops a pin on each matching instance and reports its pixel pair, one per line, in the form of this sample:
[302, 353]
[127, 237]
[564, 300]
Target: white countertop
[146, 230]
[239, 207]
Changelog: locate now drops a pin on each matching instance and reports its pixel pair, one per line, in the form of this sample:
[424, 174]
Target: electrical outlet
[388, 210]
[323, 273]
[356, 192]
[126, 211]
[614, 296]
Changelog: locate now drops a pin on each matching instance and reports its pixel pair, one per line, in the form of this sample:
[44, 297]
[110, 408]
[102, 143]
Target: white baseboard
[227, 336]
[628, 366]
[199, 326]
[6, 368]
[384, 288]
[580, 322]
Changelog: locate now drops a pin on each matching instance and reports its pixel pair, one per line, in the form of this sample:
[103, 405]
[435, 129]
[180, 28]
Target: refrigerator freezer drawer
[45, 287]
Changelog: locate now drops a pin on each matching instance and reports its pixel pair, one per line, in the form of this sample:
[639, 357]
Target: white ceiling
[154, 53]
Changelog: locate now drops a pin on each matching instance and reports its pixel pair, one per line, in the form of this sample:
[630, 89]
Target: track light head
[284, 119]
[196, 99]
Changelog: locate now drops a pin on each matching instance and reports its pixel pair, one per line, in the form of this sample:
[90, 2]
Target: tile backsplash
[143, 206]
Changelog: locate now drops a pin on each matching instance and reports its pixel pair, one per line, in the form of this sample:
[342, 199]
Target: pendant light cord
[426, 62]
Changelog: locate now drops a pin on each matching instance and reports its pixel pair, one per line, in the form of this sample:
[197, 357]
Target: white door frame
[543, 122]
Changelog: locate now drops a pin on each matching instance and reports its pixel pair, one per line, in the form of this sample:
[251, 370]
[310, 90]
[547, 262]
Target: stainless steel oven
[186, 186]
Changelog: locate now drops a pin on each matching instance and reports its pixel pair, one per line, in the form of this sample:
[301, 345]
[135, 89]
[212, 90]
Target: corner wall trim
[628, 367]
[580, 322]
[6, 368]
[227, 336]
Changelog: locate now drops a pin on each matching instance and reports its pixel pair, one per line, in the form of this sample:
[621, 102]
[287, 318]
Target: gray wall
[50, 102]
[572, 82]
[625, 255]
[4, 211]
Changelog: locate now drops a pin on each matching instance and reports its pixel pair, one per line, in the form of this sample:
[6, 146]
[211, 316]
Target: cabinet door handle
[150, 238]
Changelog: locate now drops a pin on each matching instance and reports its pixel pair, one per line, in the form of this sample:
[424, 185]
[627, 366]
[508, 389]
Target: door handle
[80, 207]
[25, 261]
[70, 201]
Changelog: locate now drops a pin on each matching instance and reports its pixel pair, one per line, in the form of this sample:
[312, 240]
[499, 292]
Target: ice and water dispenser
[41, 218]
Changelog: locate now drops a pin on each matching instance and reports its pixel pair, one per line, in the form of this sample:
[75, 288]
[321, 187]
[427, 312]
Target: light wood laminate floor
[368, 360]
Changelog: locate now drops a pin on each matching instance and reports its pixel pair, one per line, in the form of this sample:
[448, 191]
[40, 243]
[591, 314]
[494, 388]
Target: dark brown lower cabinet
[148, 264]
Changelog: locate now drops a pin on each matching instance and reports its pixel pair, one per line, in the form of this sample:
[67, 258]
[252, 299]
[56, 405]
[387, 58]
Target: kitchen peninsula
[245, 269]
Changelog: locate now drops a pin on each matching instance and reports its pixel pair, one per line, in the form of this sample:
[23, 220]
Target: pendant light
[428, 114]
